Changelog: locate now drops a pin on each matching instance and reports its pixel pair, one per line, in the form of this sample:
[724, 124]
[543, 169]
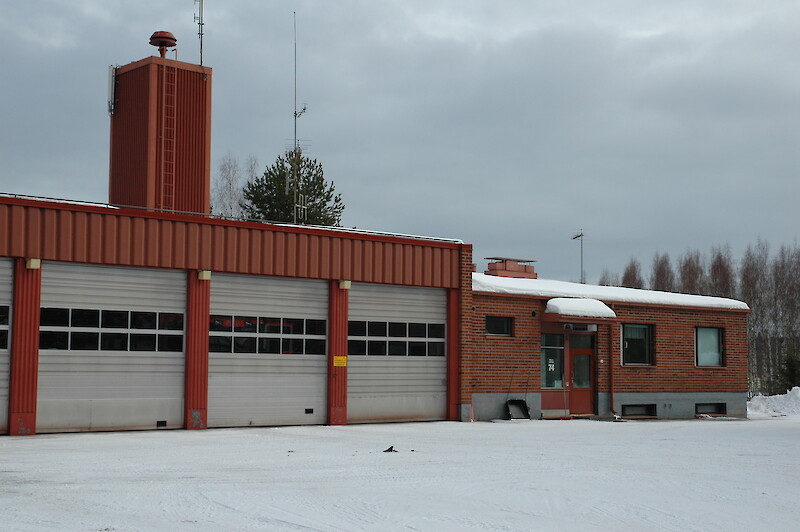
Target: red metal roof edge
[208, 219]
[122, 69]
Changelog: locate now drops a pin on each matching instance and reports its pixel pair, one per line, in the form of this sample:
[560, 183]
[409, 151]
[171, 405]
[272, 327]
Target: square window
[357, 328]
[169, 321]
[376, 328]
[292, 346]
[85, 318]
[84, 341]
[637, 344]
[170, 342]
[316, 327]
[115, 319]
[417, 349]
[709, 346]
[143, 342]
[271, 346]
[244, 344]
[398, 348]
[293, 326]
[114, 341]
[143, 320]
[245, 324]
[436, 330]
[269, 325]
[417, 330]
[220, 344]
[398, 330]
[315, 346]
[53, 340]
[54, 317]
[357, 347]
[376, 348]
[499, 325]
[436, 349]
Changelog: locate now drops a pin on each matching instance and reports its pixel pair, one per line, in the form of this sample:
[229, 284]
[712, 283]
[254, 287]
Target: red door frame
[562, 398]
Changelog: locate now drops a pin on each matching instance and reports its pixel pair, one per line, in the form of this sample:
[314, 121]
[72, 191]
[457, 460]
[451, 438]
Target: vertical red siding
[24, 350]
[453, 350]
[337, 348]
[198, 304]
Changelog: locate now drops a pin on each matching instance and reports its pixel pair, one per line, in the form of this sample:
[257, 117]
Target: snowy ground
[721, 475]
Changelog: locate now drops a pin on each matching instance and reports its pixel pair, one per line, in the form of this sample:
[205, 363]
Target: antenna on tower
[301, 205]
[199, 19]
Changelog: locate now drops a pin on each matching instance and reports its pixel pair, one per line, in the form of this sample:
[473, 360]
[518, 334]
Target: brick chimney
[507, 267]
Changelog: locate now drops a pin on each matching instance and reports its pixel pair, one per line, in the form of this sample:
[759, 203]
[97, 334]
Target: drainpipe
[611, 329]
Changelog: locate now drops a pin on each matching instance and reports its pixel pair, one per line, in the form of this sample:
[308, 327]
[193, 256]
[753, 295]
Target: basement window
[710, 409]
[499, 325]
[639, 410]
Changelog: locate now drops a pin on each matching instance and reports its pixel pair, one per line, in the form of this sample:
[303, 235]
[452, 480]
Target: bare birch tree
[691, 273]
[226, 194]
[632, 276]
[661, 275]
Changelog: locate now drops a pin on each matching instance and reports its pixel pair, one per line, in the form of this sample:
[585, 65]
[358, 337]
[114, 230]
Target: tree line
[768, 282]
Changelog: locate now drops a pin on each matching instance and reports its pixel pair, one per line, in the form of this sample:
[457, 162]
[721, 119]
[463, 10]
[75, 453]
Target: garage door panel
[396, 388]
[265, 388]
[133, 385]
[6, 291]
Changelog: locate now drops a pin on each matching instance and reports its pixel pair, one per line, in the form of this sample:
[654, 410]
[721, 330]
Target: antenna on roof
[300, 206]
[199, 19]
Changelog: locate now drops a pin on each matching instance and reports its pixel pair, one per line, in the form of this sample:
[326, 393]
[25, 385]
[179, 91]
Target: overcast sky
[652, 126]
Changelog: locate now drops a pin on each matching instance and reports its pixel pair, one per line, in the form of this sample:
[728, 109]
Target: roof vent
[163, 40]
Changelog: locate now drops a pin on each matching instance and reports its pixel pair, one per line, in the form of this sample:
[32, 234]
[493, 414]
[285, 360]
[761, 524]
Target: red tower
[161, 133]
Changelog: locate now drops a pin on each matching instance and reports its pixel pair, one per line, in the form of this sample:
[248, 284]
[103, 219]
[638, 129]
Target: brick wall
[497, 364]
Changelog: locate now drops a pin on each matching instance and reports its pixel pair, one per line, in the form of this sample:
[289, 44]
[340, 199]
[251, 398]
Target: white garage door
[6, 291]
[267, 343]
[110, 348]
[396, 342]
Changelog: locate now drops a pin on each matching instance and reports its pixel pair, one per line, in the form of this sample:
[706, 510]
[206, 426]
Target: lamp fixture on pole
[580, 235]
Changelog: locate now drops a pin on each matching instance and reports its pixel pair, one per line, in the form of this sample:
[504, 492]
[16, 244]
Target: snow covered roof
[562, 289]
[580, 307]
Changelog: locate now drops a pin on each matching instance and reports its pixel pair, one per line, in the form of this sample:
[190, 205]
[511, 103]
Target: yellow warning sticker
[340, 361]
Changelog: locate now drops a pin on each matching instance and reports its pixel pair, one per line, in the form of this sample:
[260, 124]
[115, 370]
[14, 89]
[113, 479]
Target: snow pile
[589, 308]
[775, 405]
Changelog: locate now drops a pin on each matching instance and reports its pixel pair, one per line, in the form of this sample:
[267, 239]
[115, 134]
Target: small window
[54, 317]
[357, 328]
[639, 410]
[170, 342]
[269, 325]
[244, 344]
[436, 349]
[376, 347]
[84, 341]
[292, 326]
[115, 319]
[269, 346]
[85, 318]
[218, 322]
[436, 330]
[168, 321]
[143, 342]
[499, 325]
[417, 349]
[53, 340]
[3, 314]
[143, 320]
[637, 344]
[315, 346]
[397, 330]
[709, 346]
[114, 341]
[292, 346]
[3, 339]
[710, 409]
[417, 330]
[397, 348]
[245, 324]
[357, 347]
[376, 328]
[315, 327]
[220, 344]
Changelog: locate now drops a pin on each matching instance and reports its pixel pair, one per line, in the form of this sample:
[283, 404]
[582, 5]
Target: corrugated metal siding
[267, 389]
[391, 388]
[98, 390]
[6, 292]
[103, 236]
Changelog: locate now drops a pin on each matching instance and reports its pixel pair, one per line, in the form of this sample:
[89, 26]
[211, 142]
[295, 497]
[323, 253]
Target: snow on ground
[709, 475]
[774, 405]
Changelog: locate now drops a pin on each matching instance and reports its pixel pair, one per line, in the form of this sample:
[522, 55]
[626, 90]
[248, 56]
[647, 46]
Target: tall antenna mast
[301, 205]
[199, 19]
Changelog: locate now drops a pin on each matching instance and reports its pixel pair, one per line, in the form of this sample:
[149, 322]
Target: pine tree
[271, 197]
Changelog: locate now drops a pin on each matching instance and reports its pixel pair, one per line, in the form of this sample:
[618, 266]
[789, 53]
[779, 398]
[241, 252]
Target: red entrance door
[581, 368]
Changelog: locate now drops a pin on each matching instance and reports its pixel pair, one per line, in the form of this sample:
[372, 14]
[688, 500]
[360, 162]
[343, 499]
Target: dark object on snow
[390, 449]
[517, 409]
